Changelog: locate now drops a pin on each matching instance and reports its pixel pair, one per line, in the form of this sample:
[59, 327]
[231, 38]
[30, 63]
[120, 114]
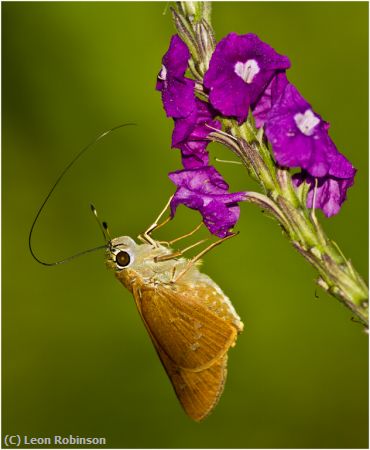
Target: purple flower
[205, 190]
[270, 96]
[190, 135]
[195, 161]
[330, 194]
[299, 138]
[239, 71]
[177, 91]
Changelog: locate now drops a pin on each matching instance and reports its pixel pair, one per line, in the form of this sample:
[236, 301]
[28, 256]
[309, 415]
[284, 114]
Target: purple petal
[232, 98]
[178, 97]
[205, 190]
[194, 160]
[299, 137]
[330, 194]
[205, 181]
[177, 57]
[270, 96]
[340, 167]
[196, 126]
[183, 128]
[190, 135]
[219, 218]
[240, 69]
[177, 91]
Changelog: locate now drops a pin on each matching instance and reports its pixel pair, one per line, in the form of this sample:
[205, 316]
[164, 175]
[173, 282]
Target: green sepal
[302, 192]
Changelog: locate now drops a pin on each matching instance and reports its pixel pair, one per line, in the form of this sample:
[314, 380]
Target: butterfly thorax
[144, 267]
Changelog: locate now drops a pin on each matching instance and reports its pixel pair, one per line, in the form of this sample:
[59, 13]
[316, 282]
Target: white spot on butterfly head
[306, 122]
[247, 70]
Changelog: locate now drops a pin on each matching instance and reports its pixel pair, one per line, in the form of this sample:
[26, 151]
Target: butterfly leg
[196, 258]
[170, 243]
[178, 253]
[145, 237]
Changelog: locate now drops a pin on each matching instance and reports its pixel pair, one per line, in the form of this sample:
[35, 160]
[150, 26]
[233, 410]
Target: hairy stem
[278, 196]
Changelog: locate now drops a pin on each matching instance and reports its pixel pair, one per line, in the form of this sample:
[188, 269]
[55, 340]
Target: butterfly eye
[123, 259]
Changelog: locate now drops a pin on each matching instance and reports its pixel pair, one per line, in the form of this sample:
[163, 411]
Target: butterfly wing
[192, 337]
[197, 391]
[212, 297]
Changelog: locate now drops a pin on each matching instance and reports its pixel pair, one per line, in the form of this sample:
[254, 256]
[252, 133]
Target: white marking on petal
[163, 73]
[247, 71]
[306, 122]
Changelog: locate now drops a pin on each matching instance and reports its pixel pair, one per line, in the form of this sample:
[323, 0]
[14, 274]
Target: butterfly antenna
[106, 236]
[62, 174]
[106, 229]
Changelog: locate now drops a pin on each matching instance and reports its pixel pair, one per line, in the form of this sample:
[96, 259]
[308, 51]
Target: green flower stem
[278, 196]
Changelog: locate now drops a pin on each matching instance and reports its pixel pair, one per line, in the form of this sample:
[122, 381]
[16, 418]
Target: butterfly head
[121, 253]
[133, 263]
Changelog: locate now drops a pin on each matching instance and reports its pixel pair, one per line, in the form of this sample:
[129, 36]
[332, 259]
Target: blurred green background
[76, 357]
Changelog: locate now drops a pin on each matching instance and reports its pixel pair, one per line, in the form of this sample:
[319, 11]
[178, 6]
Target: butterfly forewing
[197, 391]
[192, 336]
[210, 295]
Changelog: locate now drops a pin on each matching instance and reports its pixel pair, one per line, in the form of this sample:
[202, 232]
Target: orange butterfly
[190, 321]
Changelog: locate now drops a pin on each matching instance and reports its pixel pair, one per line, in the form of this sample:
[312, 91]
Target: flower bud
[192, 9]
[196, 11]
[285, 183]
[206, 42]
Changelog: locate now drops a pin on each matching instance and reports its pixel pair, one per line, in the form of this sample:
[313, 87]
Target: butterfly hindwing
[198, 392]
